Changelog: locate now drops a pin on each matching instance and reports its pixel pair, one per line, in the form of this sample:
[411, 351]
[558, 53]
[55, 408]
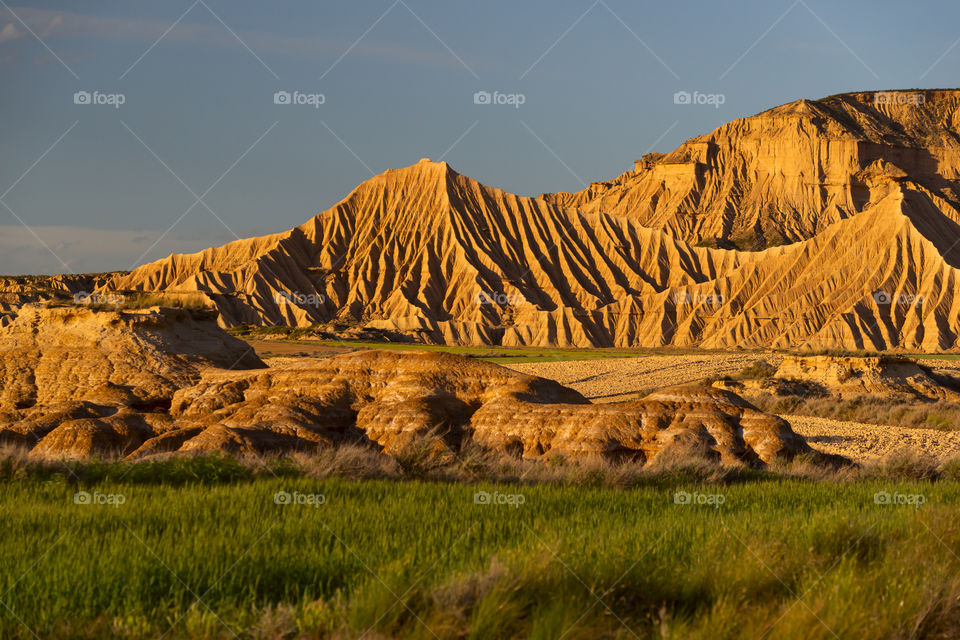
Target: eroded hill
[867, 192]
[83, 383]
[790, 172]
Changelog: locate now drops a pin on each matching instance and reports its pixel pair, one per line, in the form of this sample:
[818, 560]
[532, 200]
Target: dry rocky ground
[619, 379]
[866, 442]
[82, 383]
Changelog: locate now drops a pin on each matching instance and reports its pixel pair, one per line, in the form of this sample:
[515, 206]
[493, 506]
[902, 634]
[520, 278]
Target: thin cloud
[86, 250]
[9, 32]
[62, 24]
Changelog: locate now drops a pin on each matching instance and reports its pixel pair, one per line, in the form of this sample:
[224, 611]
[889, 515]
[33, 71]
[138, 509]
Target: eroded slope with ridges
[789, 172]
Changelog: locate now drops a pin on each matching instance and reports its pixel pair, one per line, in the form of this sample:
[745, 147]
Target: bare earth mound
[391, 397]
[82, 383]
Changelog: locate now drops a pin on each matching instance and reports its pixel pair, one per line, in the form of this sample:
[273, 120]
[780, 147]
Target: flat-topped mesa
[789, 172]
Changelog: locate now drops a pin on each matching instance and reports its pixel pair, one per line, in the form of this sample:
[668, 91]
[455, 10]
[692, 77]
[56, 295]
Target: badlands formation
[81, 382]
[16, 291]
[820, 224]
[887, 376]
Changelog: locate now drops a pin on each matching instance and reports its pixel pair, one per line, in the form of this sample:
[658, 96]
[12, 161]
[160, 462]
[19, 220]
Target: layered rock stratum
[889, 377]
[853, 201]
[790, 172]
[16, 291]
[83, 383]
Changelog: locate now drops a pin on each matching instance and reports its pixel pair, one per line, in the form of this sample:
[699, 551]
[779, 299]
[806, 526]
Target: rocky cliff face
[790, 172]
[866, 193]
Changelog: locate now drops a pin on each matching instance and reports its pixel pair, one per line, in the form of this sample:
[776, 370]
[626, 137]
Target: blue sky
[199, 153]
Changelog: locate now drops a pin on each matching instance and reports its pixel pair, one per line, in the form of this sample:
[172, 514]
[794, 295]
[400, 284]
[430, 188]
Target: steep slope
[425, 250]
[788, 173]
[430, 254]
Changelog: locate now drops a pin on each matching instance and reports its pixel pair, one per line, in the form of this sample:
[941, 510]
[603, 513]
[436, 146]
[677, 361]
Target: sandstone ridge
[864, 194]
[83, 383]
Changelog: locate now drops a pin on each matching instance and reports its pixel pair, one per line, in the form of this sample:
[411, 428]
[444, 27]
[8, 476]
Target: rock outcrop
[16, 291]
[51, 355]
[890, 377]
[865, 191]
[82, 383]
[391, 398]
[78, 382]
[790, 172]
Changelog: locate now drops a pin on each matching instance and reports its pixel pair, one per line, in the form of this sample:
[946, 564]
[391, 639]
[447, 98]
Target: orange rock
[391, 397]
[433, 255]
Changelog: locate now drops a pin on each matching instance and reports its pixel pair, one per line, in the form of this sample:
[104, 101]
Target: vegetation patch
[315, 548]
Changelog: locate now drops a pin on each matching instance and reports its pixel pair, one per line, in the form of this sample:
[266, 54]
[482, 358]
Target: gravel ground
[630, 378]
[865, 442]
[621, 379]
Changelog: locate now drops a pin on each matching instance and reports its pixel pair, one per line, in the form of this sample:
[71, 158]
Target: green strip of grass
[501, 355]
[212, 554]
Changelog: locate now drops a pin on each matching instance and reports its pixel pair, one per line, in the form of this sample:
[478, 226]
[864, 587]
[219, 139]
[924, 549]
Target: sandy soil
[630, 378]
[865, 442]
[942, 366]
[621, 379]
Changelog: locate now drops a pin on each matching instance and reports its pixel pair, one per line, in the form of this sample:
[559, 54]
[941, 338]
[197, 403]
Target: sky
[136, 129]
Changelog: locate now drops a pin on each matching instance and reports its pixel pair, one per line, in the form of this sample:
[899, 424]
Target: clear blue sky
[398, 80]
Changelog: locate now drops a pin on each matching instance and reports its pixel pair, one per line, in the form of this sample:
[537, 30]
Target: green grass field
[202, 549]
